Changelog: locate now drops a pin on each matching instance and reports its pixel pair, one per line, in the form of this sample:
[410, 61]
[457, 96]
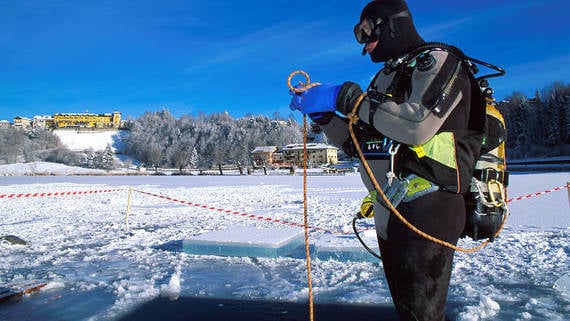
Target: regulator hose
[362, 241]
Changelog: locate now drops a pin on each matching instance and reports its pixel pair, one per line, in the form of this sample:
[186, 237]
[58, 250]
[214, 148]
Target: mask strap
[402, 14]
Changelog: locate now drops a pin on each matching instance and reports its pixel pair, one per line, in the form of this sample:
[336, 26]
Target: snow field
[79, 244]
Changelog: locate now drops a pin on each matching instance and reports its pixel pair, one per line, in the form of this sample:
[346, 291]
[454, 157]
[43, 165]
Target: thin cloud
[478, 17]
[552, 63]
[335, 53]
[549, 68]
[445, 28]
[241, 48]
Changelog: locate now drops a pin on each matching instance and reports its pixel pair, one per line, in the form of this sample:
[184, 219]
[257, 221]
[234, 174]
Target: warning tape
[246, 215]
[269, 219]
[48, 194]
[536, 194]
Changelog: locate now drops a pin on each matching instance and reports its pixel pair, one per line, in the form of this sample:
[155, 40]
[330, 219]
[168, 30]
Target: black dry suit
[425, 100]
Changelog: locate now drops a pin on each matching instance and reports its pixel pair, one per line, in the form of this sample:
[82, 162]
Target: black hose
[362, 241]
[457, 51]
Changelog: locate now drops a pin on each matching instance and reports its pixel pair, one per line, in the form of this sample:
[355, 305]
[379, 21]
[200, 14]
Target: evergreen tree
[552, 114]
[194, 158]
[559, 107]
[107, 158]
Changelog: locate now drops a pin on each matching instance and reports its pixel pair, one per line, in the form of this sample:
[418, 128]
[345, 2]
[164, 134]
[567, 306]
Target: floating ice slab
[563, 284]
[346, 247]
[246, 241]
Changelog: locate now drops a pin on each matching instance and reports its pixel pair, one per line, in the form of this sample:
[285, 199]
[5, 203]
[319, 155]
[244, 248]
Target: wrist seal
[347, 97]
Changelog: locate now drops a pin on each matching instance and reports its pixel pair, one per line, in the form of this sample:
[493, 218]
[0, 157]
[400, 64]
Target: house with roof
[22, 123]
[43, 122]
[263, 155]
[317, 154]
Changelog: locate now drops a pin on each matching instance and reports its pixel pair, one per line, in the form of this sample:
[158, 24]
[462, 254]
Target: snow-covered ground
[97, 140]
[97, 271]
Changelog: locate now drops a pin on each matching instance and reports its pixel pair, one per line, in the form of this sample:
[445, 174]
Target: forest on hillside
[159, 139]
[537, 127]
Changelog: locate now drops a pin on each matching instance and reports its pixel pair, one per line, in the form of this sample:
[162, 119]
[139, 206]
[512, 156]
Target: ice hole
[346, 247]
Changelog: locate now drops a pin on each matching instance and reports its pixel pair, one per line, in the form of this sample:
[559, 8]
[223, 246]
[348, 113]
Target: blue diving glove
[316, 100]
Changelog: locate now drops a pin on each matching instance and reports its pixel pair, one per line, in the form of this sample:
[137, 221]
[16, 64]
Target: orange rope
[306, 220]
[304, 87]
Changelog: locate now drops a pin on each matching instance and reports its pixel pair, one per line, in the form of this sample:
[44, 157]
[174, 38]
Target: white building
[317, 154]
[22, 122]
[44, 122]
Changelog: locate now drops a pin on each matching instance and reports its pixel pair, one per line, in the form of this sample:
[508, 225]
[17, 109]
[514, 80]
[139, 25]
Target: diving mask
[368, 30]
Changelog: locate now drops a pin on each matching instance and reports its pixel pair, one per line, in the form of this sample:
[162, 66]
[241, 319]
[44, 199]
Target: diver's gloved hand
[367, 206]
[316, 101]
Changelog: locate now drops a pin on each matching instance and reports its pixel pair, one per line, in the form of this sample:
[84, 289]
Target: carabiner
[500, 189]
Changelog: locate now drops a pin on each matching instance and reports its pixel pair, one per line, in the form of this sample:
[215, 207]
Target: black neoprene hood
[380, 9]
[398, 34]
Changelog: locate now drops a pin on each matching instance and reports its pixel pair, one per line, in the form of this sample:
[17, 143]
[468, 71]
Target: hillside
[97, 140]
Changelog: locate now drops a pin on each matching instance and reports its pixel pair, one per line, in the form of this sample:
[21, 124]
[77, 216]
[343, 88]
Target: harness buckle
[407, 189]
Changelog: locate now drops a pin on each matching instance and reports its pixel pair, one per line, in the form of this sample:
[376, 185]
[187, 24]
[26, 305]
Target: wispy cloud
[479, 17]
[440, 30]
[325, 56]
[558, 65]
[240, 48]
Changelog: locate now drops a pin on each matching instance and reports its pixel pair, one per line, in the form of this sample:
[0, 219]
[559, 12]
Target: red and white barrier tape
[246, 215]
[536, 194]
[269, 219]
[48, 194]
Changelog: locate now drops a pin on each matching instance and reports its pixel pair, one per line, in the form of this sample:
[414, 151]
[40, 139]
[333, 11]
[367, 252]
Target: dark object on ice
[12, 239]
[211, 309]
[9, 292]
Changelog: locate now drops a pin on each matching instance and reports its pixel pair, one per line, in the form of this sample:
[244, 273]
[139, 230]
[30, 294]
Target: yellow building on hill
[87, 120]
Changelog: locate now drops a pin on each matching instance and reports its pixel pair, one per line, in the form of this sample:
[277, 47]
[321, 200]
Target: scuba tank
[486, 201]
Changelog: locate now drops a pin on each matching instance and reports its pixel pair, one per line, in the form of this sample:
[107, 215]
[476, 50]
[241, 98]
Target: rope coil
[302, 86]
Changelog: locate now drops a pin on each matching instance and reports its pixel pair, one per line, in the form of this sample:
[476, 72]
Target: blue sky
[133, 56]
